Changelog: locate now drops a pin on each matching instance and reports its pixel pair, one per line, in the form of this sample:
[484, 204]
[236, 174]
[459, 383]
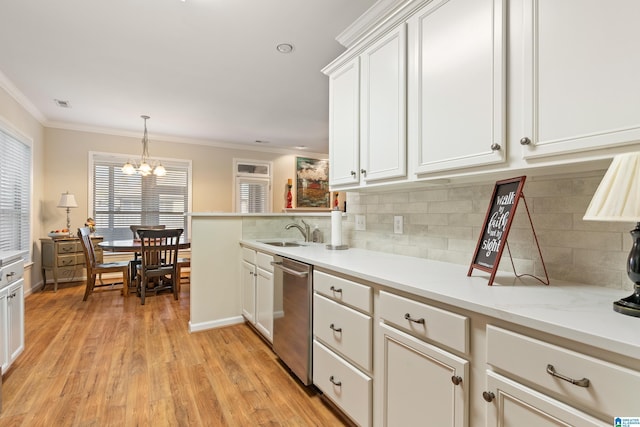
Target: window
[15, 192]
[252, 186]
[119, 201]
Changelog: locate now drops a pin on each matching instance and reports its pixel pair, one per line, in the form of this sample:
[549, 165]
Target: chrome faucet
[306, 232]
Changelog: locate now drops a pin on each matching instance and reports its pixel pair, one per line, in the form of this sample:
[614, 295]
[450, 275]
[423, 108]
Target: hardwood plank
[110, 361]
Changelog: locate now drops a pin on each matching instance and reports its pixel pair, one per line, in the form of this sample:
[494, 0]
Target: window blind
[253, 195]
[15, 193]
[120, 200]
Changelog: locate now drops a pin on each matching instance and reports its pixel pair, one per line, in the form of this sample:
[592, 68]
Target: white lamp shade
[618, 195]
[67, 201]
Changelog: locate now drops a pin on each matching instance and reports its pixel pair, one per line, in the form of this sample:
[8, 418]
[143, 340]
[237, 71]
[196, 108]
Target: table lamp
[618, 199]
[68, 201]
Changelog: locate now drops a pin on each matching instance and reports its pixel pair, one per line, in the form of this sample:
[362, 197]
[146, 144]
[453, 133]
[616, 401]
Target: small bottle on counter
[316, 235]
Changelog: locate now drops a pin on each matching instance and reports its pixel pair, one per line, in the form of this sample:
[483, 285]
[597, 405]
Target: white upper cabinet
[344, 124]
[581, 87]
[383, 108]
[457, 85]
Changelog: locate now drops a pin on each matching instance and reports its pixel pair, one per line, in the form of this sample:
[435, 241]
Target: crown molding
[21, 99]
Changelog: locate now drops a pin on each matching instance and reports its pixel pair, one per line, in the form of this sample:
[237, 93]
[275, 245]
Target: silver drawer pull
[580, 383]
[335, 290]
[334, 382]
[334, 329]
[411, 319]
[10, 275]
[66, 249]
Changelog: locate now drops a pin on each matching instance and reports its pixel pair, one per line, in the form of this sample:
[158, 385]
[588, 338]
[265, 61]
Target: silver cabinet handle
[353, 174]
[335, 290]
[495, 147]
[488, 396]
[363, 172]
[580, 383]
[334, 329]
[13, 273]
[525, 141]
[408, 317]
[334, 382]
[456, 380]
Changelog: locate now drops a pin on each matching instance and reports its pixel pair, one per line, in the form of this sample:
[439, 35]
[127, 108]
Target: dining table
[135, 246]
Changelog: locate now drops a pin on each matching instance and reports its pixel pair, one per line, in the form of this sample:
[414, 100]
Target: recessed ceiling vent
[62, 104]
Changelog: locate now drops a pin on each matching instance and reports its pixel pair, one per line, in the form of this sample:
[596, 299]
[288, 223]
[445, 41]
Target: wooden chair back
[135, 228]
[159, 258]
[84, 234]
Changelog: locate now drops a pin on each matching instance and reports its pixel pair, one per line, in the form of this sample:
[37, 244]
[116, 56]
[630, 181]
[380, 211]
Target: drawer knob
[363, 172]
[334, 382]
[353, 174]
[408, 317]
[525, 141]
[488, 396]
[495, 147]
[584, 382]
[335, 290]
[334, 329]
[456, 379]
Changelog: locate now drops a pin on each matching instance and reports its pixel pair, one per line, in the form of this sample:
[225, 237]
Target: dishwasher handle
[278, 264]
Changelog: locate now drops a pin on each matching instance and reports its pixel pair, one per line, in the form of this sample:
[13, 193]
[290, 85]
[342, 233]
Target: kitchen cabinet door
[512, 404]
[15, 316]
[264, 303]
[422, 382]
[580, 76]
[457, 85]
[383, 108]
[4, 332]
[344, 124]
[248, 291]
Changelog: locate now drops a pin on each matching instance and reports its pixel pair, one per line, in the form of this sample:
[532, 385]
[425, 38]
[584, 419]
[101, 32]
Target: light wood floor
[113, 362]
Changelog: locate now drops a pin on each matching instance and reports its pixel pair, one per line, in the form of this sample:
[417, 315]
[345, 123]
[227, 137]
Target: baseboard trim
[213, 324]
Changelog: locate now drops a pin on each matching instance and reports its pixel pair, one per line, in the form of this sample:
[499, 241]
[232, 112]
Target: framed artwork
[312, 183]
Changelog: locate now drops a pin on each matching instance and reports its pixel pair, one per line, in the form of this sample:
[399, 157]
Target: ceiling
[206, 71]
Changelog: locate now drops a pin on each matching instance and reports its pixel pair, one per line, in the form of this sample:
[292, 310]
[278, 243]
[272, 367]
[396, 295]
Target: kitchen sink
[283, 243]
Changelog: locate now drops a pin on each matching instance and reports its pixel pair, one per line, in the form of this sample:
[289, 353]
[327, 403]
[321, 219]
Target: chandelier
[144, 168]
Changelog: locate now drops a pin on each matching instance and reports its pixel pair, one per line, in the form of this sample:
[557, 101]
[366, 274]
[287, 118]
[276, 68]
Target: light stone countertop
[576, 312]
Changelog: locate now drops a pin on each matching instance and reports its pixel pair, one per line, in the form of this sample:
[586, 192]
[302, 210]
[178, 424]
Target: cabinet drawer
[527, 359]
[346, 386]
[11, 272]
[69, 260]
[441, 326]
[249, 255]
[351, 333]
[68, 247]
[343, 290]
[264, 261]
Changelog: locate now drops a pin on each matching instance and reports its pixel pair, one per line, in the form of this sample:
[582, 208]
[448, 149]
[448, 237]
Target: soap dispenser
[316, 236]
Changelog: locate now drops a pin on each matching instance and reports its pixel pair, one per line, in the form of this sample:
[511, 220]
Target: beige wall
[66, 168]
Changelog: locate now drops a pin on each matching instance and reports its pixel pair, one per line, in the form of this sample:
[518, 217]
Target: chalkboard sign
[497, 223]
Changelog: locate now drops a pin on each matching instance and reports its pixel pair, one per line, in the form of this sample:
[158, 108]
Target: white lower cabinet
[513, 404]
[257, 290]
[11, 314]
[422, 384]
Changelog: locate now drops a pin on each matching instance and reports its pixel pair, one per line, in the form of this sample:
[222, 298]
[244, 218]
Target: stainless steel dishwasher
[293, 288]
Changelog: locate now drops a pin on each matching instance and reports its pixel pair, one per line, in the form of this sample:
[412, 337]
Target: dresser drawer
[343, 329]
[70, 260]
[264, 261]
[343, 290]
[346, 386]
[249, 255]
[68, 247]
[425, 321]
[528, 359]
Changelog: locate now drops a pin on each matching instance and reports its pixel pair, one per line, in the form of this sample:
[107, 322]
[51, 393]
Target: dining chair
[135, 262]
[158, 269]
[94, 268]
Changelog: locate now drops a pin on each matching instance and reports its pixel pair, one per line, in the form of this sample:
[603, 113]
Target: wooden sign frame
[496, 226]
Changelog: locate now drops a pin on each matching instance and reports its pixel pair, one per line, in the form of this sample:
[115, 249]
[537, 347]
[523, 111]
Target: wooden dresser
[64, 257]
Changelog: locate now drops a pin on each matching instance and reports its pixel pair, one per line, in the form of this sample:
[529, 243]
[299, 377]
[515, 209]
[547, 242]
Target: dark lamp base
[629, 305]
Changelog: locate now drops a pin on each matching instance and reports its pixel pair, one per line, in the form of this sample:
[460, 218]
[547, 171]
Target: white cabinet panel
[581, 84]
[15, 315]
[4, 332]
[264, 303]
[419, 384]
[512, 404]
[248, 275]
[344, 124]
[383, 108]
[457, 84]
